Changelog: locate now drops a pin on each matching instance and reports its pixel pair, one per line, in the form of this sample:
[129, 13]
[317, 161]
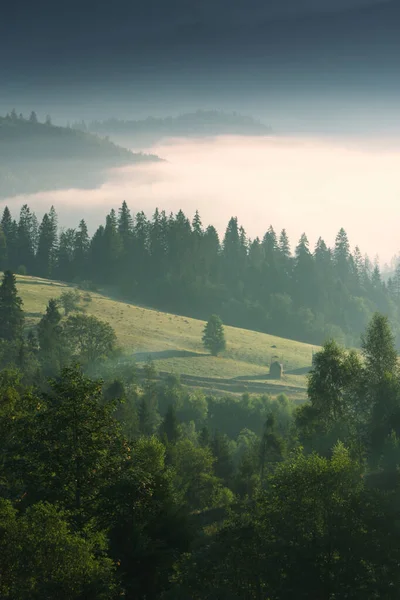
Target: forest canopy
[177, 265]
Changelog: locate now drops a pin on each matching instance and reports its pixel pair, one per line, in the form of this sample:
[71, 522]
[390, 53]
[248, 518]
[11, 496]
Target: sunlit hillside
[174, 344]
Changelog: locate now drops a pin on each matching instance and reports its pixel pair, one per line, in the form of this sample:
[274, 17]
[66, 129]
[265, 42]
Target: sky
[311, 69]
[81, 51]
[303, 184]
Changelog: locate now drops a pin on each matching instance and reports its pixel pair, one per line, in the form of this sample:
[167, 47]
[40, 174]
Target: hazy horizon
[303, 184]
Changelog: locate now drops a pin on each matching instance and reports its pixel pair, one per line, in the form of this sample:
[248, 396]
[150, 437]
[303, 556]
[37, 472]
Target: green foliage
[74, 446]
[178, 266]
[90, 339]
[42, 557]
[332, 380]
[213, 336]
[70, 301]
[170, 426]
[52, 344]
[11, 313]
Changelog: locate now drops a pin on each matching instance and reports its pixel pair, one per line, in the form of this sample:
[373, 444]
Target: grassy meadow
[174, 344]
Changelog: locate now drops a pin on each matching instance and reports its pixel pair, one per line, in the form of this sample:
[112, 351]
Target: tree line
[173, 264]
[114, 484]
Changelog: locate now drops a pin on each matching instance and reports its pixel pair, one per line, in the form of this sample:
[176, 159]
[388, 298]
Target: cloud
[301, 184]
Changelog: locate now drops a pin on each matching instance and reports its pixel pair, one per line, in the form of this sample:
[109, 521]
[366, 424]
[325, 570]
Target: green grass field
[174, 344]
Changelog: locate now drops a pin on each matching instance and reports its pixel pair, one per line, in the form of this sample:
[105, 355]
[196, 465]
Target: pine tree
[112, 249]
[170, 425]
[33, 117]
[341, 255]
[379, 350]
[81, 251]
[125, 223]
[285, 255]
[231, 249]
[49, 329]
[9, 227]
[46, 253]
[11, 313]
[272, 446]
[3, 250]
[97, 256]
[27, 238]
[304, 274]
[214, 336]
[223, 466]
[64, 267]
[158, 245]
[140, 268]
[270, 243]
[197, 226]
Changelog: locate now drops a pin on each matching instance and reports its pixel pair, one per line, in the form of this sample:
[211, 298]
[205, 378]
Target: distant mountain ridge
[40, 156]
[199, 123]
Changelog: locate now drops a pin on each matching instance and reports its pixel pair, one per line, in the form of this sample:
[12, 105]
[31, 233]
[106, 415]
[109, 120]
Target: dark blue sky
[89, 53]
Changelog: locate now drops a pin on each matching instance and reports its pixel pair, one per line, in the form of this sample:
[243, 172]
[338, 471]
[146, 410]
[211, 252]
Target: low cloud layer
[302, 184]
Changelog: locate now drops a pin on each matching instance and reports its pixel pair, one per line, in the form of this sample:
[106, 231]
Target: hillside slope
[36, 156]
[174, 344]
[196, 124]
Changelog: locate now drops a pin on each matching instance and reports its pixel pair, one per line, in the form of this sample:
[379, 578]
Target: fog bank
[301, 184]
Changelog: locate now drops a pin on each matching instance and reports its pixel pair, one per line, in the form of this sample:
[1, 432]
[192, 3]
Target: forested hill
[38, 156]
[199, 123]
[174, 264]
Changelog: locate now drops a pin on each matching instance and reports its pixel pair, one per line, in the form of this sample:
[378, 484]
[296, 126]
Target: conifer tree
[27, 238]
[81, 251]
[3, 250]
[53, 350]
[379, 350]
[11, 313]
[125, 223]
[170, 425]
[9, 227]
[214, 336]
[64, 267]
[46, 252]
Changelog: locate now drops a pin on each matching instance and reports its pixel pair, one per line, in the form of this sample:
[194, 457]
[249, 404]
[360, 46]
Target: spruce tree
[379, 350]
[45, 256]
[3, 250]
[27, 238]
[81, 251]
[9, 227]
[11, 313]
[125, 222]
[64, 267]
[170, 425]
[214, 336]
[53, 350]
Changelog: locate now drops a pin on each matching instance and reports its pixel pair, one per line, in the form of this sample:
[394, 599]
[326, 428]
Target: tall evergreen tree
[112, 248]
[46, 252]
[214, 336]
[81, 251]
[9, 227]
[125, 223]
[11, 313]
[304, 274]
[3, 250]
[170, 425]
[64, 267]
[341, 255]
[27, 238]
